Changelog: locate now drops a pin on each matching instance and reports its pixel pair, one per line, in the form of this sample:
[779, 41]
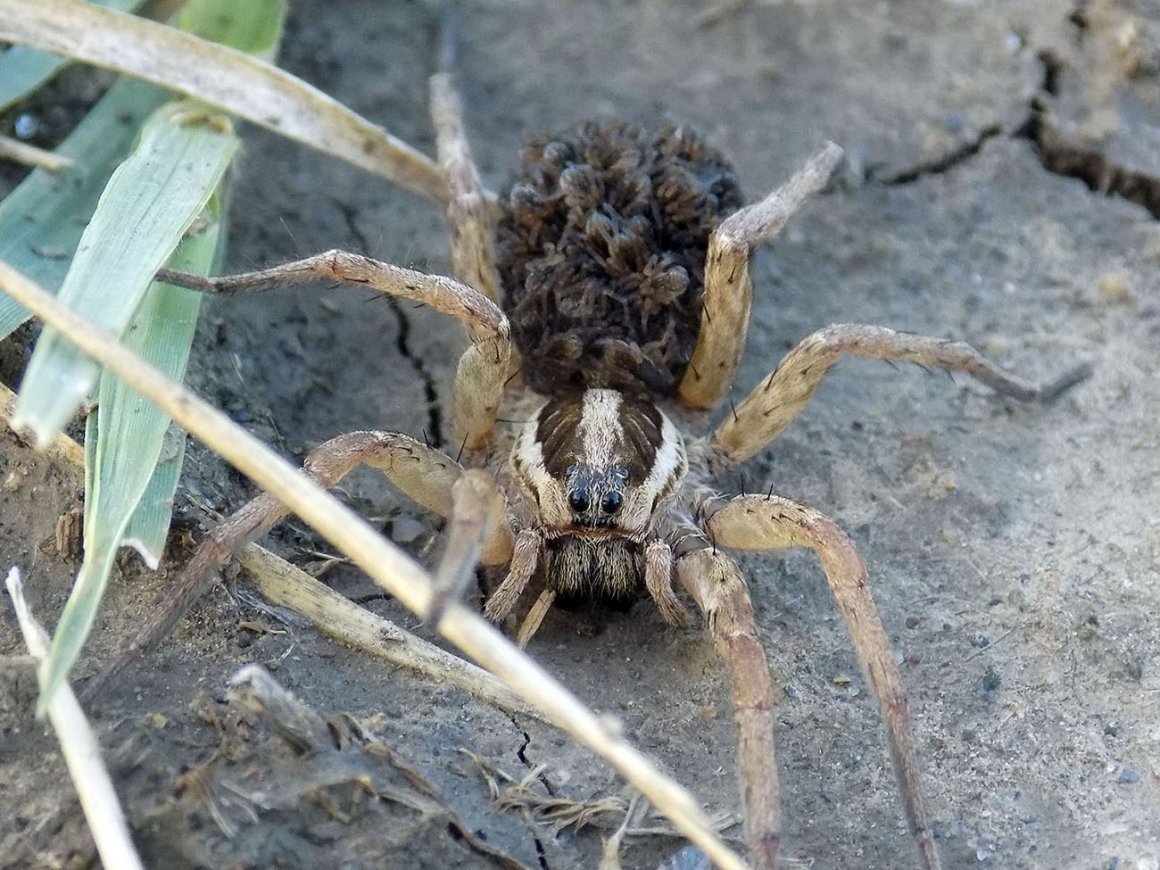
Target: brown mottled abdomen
[601, 249]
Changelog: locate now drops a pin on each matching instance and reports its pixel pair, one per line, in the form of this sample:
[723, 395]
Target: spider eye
[578, 500]
[611, 503]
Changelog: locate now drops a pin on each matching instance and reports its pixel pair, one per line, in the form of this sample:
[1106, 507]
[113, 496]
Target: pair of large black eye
[610, 504]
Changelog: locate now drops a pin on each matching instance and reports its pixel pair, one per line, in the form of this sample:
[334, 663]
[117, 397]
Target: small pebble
[991, 683]
[26, 126]
[979, 641]
[1128, 776]
[953, 123]
[1112, 729]
[404, 530]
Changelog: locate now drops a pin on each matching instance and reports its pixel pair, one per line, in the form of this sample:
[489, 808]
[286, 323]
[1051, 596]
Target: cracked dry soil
[1002, 187]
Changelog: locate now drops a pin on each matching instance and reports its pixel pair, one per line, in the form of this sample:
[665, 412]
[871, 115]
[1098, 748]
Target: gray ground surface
[1014, 551]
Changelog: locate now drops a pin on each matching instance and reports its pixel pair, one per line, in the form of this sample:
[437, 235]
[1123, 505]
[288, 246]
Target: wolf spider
[616, 308]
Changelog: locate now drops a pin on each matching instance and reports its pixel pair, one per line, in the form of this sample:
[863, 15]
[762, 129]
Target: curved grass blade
[41, 221]
[235, 82]
[23, 70]
[149, 203]
[125, 439]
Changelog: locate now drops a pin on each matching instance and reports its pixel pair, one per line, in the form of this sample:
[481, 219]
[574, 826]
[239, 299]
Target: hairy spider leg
[471, 216]
[775, 402]
[484, 366]
[422, 473]
[716, 584]
[526, 553]
[757, 522]
[729, 287]
[477, 534]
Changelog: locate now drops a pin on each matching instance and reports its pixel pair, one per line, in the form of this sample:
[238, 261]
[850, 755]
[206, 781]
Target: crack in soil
[521, 754]
[433, 431]
[939, 165]
[1101, 175]
[1060, 155]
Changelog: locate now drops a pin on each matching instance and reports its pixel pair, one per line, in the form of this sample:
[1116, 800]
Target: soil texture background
[1002, 186]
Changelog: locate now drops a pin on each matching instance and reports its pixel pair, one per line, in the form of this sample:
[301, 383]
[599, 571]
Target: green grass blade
[254, 27]
[162, 332]
[124, 440]
[124, 443]
[23, 70]
[133, 453]
[41, 221]
[149, 203]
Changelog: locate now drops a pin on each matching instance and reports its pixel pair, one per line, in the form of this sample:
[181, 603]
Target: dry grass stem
[385, 563]
[340, 618]
[30, 155]
[234, 81]
[82, 754]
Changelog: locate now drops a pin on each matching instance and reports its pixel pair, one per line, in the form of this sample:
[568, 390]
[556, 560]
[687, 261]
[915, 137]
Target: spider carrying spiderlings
[607, 298]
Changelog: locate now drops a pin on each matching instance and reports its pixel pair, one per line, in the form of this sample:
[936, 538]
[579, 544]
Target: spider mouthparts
[598, 529]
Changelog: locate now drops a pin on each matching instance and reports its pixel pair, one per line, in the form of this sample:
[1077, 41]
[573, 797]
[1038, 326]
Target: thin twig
[30, 155]
[337, 616]
[82, 753]
[382, 561]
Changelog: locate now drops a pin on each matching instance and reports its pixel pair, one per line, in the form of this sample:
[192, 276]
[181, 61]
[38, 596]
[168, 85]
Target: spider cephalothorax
[600, 466]
[599, 463]
[626, 286]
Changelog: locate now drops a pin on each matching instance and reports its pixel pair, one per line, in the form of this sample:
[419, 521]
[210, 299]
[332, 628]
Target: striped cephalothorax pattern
[625, 289]
[601, 468]
[599, 464]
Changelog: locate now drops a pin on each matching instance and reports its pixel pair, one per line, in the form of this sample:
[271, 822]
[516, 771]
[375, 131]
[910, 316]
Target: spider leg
[471, 216]
[756, 522]
[535, 617]
[423, 474]
[477, 533]
[529, 544]
[658, 580]
[484, 366]
[780, 397]
[715, 583]
[728, 286]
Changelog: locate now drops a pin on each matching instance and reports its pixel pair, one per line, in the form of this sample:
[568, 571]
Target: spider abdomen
[601, 250]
